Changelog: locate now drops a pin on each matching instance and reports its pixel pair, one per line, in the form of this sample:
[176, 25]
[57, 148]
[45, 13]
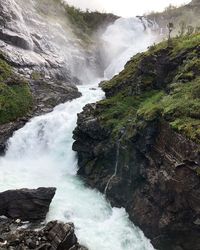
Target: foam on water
[40, 155]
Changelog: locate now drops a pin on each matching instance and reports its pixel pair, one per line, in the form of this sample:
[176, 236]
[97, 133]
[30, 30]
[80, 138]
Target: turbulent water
[40, 154]
[123, 39]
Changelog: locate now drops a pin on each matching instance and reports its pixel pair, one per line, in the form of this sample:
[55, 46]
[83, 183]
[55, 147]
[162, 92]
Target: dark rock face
[157, 178]
[50, 94]
[26, 204]
[54, 236]
[136, 158]
[6, 131]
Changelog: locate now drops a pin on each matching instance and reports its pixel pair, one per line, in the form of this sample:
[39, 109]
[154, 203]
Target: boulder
[26, 204]
[54, 236]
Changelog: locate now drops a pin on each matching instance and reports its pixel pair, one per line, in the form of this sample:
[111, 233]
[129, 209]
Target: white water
[123, 39]
[40, 154]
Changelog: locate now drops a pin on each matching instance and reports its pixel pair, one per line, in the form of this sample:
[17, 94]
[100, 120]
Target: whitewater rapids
[40, 155]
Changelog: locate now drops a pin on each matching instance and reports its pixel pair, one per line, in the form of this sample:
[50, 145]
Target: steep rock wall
[129, 147]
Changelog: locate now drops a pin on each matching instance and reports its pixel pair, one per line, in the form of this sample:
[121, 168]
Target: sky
[126, 8]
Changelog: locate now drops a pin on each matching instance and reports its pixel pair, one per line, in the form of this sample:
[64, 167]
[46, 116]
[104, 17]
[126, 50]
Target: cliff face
[140, 146]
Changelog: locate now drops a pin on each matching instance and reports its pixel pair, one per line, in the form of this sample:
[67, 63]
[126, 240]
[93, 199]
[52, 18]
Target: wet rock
[26, 204]
[48, 94]
[54, 236]
[7, 130]
[157, 180]
[61, 235]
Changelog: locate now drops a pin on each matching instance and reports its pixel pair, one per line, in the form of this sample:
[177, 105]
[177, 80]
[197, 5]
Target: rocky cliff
[140, 146]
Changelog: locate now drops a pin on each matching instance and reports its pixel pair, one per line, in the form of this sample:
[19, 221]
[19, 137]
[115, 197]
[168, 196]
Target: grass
[15, 95]
[119, 112]
[15, 101]
[177, 101]
[5, 70]
[181, 108]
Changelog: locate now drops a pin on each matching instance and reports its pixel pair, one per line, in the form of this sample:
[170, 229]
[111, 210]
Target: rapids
[40, 155]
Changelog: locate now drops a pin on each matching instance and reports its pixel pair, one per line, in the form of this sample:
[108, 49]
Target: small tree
[170, 27]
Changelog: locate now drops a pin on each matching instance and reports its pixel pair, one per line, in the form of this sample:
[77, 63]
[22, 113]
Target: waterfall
[123, 39]
[40, 154]
[116, 168]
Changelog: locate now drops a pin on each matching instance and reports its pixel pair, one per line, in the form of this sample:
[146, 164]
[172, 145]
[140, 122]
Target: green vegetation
[146, 79]
[83, 23]
[5, 70]
[142, 93]
[182, 109]
[123, 111]
[87, 21]
[15, 96]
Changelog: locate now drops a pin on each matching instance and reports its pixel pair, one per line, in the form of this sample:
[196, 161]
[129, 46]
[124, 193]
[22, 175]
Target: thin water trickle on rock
[40, 155]
[115, 170]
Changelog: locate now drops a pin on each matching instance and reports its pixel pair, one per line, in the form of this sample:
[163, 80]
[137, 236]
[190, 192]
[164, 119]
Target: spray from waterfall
[40, 154]
[123, 39]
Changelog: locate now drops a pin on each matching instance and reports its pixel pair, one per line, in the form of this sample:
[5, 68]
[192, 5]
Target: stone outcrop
[21, 222]
[156, 179]
[6, 131]
[26, 204]
[129, 148]
[54, 236]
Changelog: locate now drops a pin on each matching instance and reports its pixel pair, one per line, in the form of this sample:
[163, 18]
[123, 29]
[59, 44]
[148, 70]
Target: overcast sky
[126, 8]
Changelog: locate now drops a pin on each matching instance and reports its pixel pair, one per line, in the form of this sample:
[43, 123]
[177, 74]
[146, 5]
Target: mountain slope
[185, 18]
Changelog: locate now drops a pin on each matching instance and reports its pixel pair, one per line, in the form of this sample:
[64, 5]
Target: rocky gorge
[140, 146]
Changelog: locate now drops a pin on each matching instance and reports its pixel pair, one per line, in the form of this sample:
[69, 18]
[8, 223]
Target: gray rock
[54, 236]
[26, 204]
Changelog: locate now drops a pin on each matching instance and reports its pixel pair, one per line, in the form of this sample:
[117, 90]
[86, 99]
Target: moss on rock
[5, 70]
[15, 95]
[162, 83]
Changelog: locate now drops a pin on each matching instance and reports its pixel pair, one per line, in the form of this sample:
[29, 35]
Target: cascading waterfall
[123, 39]
[40, 154]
